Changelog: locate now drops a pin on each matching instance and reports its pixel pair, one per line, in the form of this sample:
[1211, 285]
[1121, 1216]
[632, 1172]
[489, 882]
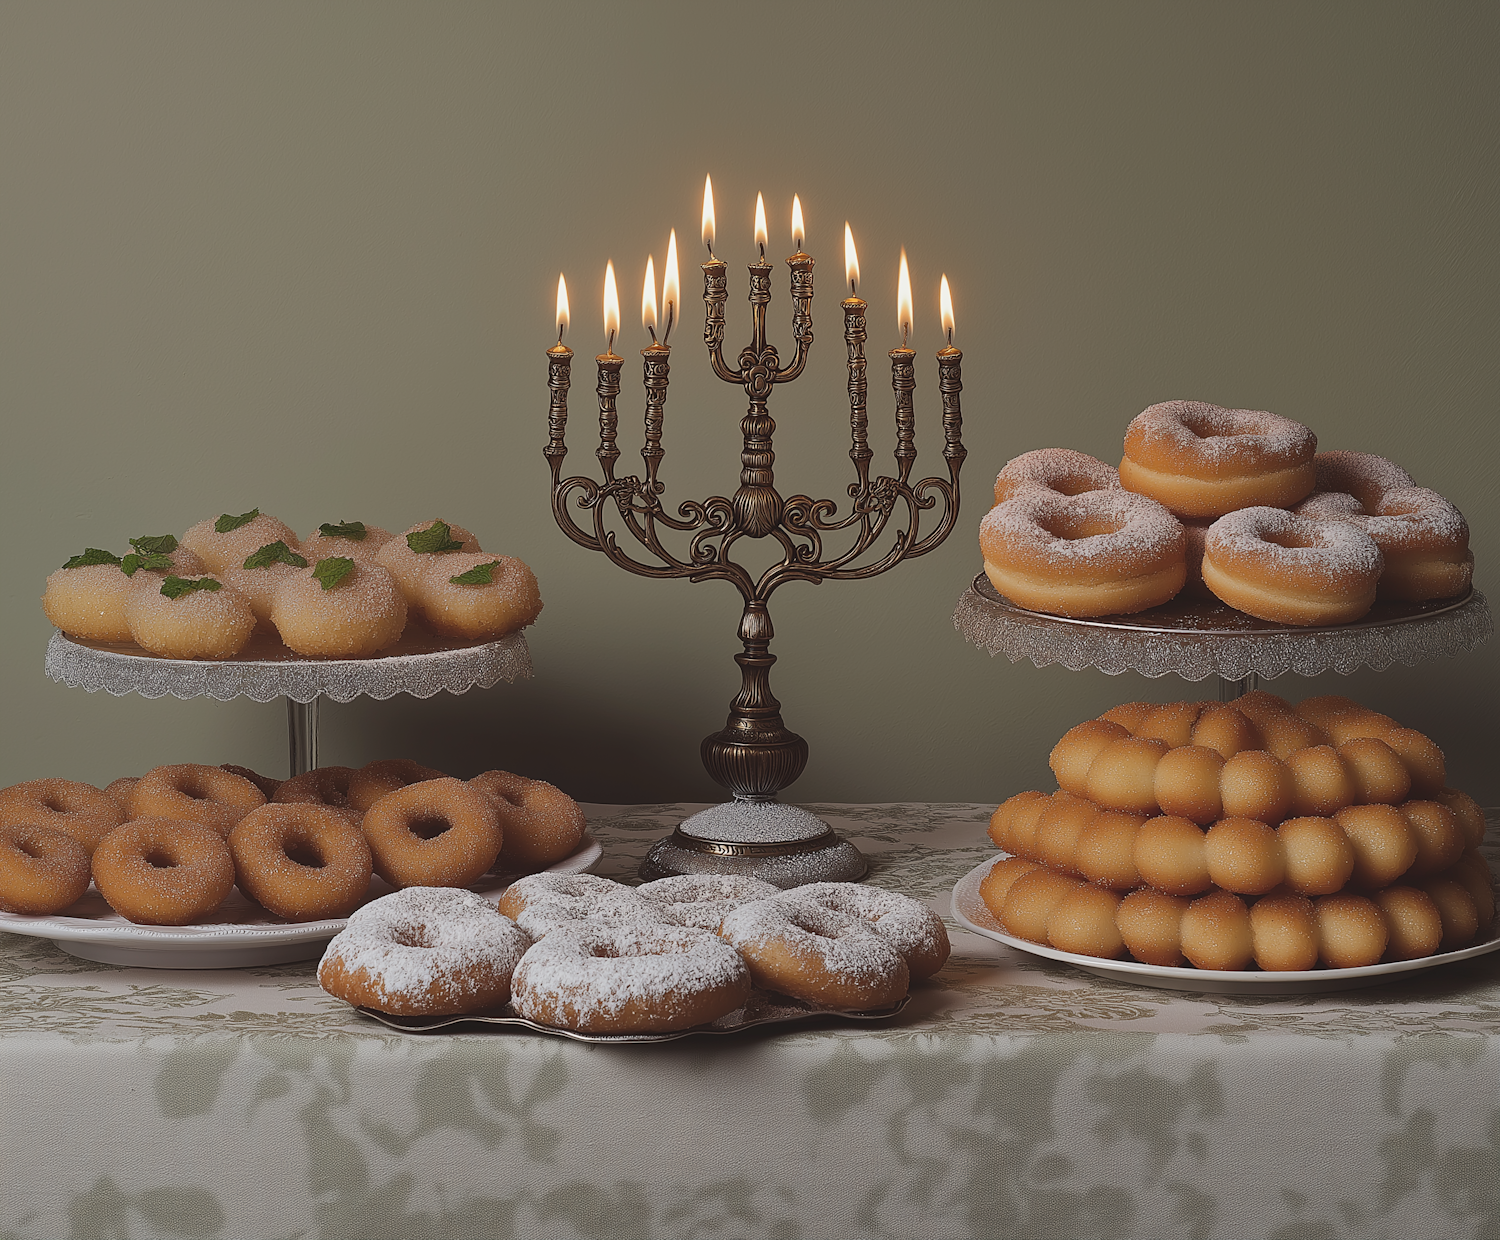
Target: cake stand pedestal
[419, 665]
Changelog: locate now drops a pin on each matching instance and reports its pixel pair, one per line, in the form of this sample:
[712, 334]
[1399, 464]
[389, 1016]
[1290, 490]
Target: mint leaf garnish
[176, 587]
[275, 553]
[479, 575]
[135, 561]
[333, 570]
[344, 529]
[92, 555]
[436, 537]
[226, 523]
[155, 544]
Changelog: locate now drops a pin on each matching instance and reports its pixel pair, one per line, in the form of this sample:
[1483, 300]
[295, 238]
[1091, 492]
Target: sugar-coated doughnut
[1059, 828]
[163, 871]
[324, 785]
[401, 558]
[1284, 933]
[1254, 784]
[1412, 920]
[1105, 854]
[1022, 833]
[1244, 856]
[120, 790]
[1030, 900]
[75, 809]
[1096, 554]
[195, 793]
[995, 885]
[1201, 460]
[908, 925]
[1322, 783]
[1378, 775]
[539, 918]
[1060, 470]
[353, 539]
[1473, 875]
[1225, 730]
[1129, 715]
[321, 614]
[1186, 783]
[424, 951]
[42, 870]
[384, 775]
[1171, 855]
[1072, 756]
[1216, 932]
[1150, 925]
[1457, 909]
[259, 586]
[201, 618]
[301, 862]
[1352, 932]
[1424, 762]
[88, 602]
[624, 980]
[1277, 566]
[1005, 813]
[704, 900]
[477, 595]
[1466, 813]
[265, 783]
[1123, 775]
[1435, 831]
[1318, 856]
[438, 833]
[542, 824]
[1171, 722]
[1384, 847]
[1083, 922]
[229, 539]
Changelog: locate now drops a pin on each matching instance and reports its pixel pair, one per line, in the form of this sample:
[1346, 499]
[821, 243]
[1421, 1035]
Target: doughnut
[1423, 538]
[995, 885]
[1171, 722]
[75, 809]
[1059, 829]
[88, 602]
[260, 585]
[577, 894]
[1171, 855]
[189, 618]
[1351, 931]
[1412, 921]
[1284, 933]
[908, 925]
[702, 900]
[1129, 715]
[163, 871]
[42, 870]
[1318, 856]
[1106, 851]
[353, 539]
[477, 596]
[1083, 922]
[1123, 776]
[1022, 834]
[1097, 554]
[1275, 565]
[1466, 813]
[424, 951]
[1475, 879]
[1005, 813]
[1030, 901]
[1322, 783]
[1253, 784]
[800, 948]
[1186, 783]
[265, 783]
[1201, 460]
[1425, 765]
[1435, 831]
[1194, 536]
[1060, 470]
[1072, 756]
[1378, 775]
[1216, 932]
[1384, 847]
[621, 980]
[229, 539]
[207, 794]
[1150, 925]
[1244, 856]
[387, 775]
[119, 790]
[542, 824]
[438, 833]
[301, 862]
[540, 918]
[1457, 910]
[339, 608]
[408, 555]
[1226, 731]
[325, 785]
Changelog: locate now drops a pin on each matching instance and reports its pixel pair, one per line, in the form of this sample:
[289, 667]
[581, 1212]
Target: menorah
[755, 755]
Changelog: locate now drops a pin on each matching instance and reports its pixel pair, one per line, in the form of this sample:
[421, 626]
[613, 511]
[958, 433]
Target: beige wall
[303, 257]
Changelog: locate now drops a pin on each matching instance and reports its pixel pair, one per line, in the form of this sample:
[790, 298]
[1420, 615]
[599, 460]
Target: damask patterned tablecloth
[1013, 1097]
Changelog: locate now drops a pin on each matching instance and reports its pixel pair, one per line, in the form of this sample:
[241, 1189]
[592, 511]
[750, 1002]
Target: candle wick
[671, 317]
[652, 330]
[853, 292]
[950, 337]
[610, 347]
[762, 253]
[905, 331]
[710, 245]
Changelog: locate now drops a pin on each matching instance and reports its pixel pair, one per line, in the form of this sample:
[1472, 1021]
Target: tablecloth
[1013, 1097]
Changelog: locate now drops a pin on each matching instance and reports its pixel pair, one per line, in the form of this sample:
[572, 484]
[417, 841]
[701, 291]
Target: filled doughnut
[260, 577]
[410, 553]
[1203, 461]
[353, 539]
[75, 809]
[194, 793]
[301, 862]
[1060, 470]
[228, 539]
[163, 871]
[189, 618]
[542, 824]
[42, 870]
[704, 900]
[438, 833]
[908, 925]
[339, 608]
[87, 602]
[477, 596]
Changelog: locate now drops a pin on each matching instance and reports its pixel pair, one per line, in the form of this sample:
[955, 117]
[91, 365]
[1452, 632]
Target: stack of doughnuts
[344, 592]
[1236, 504]
[1283, 826]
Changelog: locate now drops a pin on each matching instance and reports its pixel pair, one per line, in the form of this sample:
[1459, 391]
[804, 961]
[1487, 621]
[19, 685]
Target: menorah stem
[559, 363]
[656, 370]
[608, 388]
[904, 382]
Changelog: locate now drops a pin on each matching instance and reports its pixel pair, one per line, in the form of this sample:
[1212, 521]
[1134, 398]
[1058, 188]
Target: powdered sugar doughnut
[227, 539]
[1195, 538]
[424, 951]
[189, 618]
[1096, 554]
[79, 810]
[354, 539]
[499, 597]
[194, 793]
[578, 892]
[908, 925]
[1277, 566]
[540, 918]
[1061, 470]
[42, 870]
[401, 557]
[1201, 460]
[359, 614]
[542, 824]
[704, 900]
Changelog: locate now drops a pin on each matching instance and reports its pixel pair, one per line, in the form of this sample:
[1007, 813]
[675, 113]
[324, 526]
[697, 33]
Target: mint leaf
[275, 553]
[135, 561]
[344, 529]
[333, 570]
[92, 555]
[155, 544]
[226, 523]
[479, 575]
[436, 537]
[176, 587]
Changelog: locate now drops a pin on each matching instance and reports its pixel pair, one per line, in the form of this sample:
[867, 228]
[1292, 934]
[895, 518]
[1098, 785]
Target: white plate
[972, 912]
[240, 933]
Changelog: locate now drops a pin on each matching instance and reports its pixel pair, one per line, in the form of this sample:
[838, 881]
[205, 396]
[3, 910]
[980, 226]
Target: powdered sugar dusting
[846, 944]
[1063, 470]
[1189, 430]
[908, 925]
[1334, 552]
[1021, 532]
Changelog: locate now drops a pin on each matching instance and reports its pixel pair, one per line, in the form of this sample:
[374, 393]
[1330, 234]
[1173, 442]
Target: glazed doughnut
[1284, 933]
[1201, 460]
[542, 824]
[1351, 931]
[908, 925]
[301, 862]
[1318, 856]
[438, 833]
[228, 539]
[1171, 855]
[265, 783]
[42, 870]
[75, 809]
[194, 793]
[1096, 554]
[88, 602]
[1412, 922]
[1216, 932]
[424, 951]
[163, 871]
[456, 603]
[622, 980]
[800, 948]
[1083, 922]
[406, 564]
[1060, 470]
[206, 620]
[385, 775]
[1275, 565]
[353, 539]
[1150, 926]
[1244, 856]
[1424, 538]
[703, 900]
[360, 613]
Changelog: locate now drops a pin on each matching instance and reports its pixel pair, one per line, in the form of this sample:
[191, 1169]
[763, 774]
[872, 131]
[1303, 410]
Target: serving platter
[239, 934]
[970, 910]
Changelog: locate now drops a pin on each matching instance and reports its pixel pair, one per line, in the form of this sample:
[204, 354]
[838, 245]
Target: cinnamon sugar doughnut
[75, 809]
[439, 833]
[163, 871]
[1437, 835]
[376, 779]
[542, 824]
[119, 791]
[1186, 783]
[704, 900]
[265, 783]
[42, 870]
[324, 785]
[1253, 784]
[1123, 775]
[301, 862]
[1277, 566]
[424, 951]
[1060, 470]
[1096, 554]
[1072, 756]
[195, 793]
[908, 925]
[1202, 460]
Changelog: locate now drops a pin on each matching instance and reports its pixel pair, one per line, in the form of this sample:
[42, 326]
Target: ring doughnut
[194, 793]
[163, 871]
[704, 900]
[265, 783]
[42, 870]
[908, 925]
[543, 902]
[438, 833]
[119, 791]
[1201, 460]
[424, 951]
[618, 979]
[324, 785]
[542, 824]
[1060, 470]
[301, 862]
[386, 775]
[76, 809]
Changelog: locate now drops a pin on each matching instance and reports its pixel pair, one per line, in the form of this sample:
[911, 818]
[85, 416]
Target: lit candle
[708, 214]
[562, 307]
[802, 294]
[611, 309]
[854, 337]
[851, 261]
[648, 298]
[715, 282]
[796, 222]
[654, 367]
[559, 365]
[609, 378]
[904, 378]
[760, 226]
[950, 381]
[903, 300]
[671, 297]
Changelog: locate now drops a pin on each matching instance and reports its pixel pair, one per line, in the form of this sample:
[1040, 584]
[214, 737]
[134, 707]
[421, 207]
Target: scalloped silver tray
[1195, 639]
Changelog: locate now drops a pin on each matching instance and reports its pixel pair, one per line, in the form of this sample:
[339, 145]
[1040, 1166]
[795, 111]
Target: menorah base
[777, 843]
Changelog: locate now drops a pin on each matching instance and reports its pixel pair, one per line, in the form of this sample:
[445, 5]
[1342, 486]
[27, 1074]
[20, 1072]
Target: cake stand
[420, 665]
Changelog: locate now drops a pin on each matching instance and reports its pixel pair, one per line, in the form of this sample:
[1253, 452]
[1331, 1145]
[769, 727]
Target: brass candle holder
[754, 755]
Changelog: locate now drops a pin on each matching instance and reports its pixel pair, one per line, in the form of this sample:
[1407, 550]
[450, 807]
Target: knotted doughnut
[424, 951]
[704, 900]
[75, 809]
[908, 925]
[438, 833]
[163, 871]
[1201, 460]
[542, 824]
[42, 870]
[1060, 470]
[301, 862]
[195, 793]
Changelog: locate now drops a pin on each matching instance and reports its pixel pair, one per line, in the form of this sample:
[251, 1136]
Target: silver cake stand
[420, 665]
[1195, 639]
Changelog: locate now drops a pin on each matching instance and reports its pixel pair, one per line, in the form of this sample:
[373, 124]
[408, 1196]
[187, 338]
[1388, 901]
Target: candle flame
[648, 298]
[611, 305]
[851, 260]
[708, 213]
[671, 297]
[945, 301]
[903, 300]
[797, 233]
[562, 306]
[760, 224]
